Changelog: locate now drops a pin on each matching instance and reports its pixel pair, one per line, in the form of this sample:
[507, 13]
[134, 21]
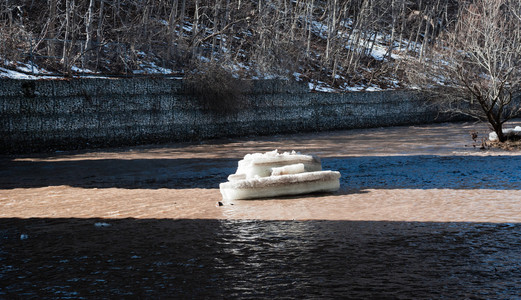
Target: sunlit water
[421, 213]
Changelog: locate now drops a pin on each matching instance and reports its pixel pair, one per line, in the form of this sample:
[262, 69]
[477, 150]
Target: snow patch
[321, 87]
[373, 89]
[508, 132]
[152, 68]
[81, 70]
[353, 88]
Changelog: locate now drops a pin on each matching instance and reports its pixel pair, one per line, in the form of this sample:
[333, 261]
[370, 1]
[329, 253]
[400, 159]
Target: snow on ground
[7, 73]
[378, 45]
[20, 70]
[321, 87]
[297, 76]
[152, 68]
[319, 29]
[81, 70]
[28, 68]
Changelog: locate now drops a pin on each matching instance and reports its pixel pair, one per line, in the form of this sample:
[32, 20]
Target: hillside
[333, 45]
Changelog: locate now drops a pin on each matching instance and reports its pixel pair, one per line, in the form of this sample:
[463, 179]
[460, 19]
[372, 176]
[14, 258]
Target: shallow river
[421, 213]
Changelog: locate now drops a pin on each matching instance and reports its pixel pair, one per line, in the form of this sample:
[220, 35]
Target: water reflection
[258, 259]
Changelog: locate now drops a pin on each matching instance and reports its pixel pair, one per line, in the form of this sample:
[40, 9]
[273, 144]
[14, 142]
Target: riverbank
[48, 115]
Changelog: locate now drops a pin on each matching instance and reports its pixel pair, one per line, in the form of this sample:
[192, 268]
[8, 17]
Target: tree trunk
[52, 28]
[309, 20]
[171, 30]
[89, 31]
[498, 129]
[69, 6]
[99, 32]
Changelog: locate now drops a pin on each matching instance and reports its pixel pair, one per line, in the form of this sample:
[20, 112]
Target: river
[422, 213]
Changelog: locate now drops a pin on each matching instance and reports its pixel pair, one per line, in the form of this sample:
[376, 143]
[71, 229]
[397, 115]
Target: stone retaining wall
[41, 115]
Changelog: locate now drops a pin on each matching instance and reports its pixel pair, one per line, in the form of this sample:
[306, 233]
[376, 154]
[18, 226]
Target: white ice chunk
[294, 184]
[235, 177]
[289, 169]
[259, 164]
[261, 175]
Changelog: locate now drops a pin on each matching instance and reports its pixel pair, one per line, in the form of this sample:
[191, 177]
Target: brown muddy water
[421, 213]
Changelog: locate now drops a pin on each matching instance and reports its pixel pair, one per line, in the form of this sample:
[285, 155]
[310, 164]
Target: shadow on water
[93, 258]
[120, 173]
[375, 172]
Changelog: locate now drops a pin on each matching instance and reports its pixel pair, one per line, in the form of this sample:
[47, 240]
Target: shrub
[216, 89]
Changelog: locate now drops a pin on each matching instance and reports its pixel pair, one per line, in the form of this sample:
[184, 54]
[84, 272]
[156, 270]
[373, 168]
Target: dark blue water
[428, 172]
[250, 259]
[73, 258]
[375, 172]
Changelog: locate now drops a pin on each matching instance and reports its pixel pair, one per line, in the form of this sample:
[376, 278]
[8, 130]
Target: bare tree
[475, 67]
[69, 11]
[89, 29]
[330, 41]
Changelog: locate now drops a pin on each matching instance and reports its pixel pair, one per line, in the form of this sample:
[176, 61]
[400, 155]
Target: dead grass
[508, 145]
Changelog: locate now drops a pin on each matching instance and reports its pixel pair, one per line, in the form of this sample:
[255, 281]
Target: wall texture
[41, 115]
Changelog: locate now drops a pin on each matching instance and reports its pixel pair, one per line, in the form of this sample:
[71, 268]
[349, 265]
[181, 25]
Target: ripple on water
[253, 258]
[401, 173]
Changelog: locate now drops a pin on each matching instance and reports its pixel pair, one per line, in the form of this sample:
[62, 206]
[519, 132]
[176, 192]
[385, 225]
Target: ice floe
[271, 174]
